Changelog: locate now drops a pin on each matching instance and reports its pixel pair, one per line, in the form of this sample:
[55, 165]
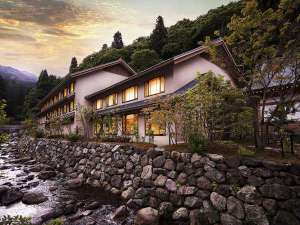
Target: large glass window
[130, 123]
[155, 86]
[111, 125]
[130, 94]
[154, 128]
[112, 100]
[97, 127]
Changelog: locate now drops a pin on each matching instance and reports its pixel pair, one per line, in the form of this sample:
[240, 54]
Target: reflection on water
[15, 175]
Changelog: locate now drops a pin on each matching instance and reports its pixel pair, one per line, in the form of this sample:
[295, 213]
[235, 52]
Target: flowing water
[18, 175]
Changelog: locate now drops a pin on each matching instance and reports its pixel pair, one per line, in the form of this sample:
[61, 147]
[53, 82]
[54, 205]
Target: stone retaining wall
[187, 187]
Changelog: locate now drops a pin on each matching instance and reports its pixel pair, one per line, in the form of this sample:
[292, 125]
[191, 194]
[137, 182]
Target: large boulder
[45, 175]
[227, 219]
[277, 191]
[180, 214]
[10, 195]
[249, 194]
[255, 215]
[75, 183]
[32, 198]
[235, 207]
[218, 201]
[285, 218]
[147, 172]
[160, 181]
[120, 213]
[147, 216]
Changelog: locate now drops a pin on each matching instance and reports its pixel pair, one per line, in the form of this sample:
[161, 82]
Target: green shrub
[4, 138]
[196, 143]
[73, 137]
[15, 220]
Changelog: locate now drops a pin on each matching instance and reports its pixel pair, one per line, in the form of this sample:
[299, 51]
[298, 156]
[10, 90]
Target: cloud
[50, 12]
[14, 35]
[58, 32]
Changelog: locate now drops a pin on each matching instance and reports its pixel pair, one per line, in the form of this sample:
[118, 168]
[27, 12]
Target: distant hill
[14, 86]
[12, 74]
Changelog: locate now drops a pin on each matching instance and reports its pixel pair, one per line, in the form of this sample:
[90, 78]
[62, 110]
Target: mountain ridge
[14, 74]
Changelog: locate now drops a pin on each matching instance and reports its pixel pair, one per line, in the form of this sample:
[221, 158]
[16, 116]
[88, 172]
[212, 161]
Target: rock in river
[32, 198]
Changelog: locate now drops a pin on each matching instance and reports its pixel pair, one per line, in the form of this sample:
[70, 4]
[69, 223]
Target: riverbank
[32, 189]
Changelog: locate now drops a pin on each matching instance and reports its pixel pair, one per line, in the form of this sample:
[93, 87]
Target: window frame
[96, 104]
[135, 88]
[147, 118]
[124, 123]
[147, 86]
[115, 101]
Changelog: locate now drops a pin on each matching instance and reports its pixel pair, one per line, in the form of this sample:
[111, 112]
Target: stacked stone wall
[204, 189]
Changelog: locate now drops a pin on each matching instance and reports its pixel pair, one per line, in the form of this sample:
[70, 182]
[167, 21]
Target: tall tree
[143, 59]
[104, 47]
[117, 42]
[2, 88]
[73, 66]
[159, 35]
[266, 43]
[43, 87]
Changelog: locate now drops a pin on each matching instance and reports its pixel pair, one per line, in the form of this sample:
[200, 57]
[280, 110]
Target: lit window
[153, 128]
[155, 86]
[97, 128]
[98, 104]
[72, 106]
[130, 94]
[65, 92]
[111, 126]
[130, 123]
[72, 88]
[112, 100]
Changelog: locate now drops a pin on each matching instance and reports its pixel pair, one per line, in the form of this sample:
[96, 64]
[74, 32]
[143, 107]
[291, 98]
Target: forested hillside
[14, 85]
[165, 42]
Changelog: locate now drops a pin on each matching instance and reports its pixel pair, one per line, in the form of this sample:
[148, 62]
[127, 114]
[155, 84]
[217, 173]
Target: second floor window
[155, 86]
[98, 104]
[112, 100]
[72, 88]
[130, 94]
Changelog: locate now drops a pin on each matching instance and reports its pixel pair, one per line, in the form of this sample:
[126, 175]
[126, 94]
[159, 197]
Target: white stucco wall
[92, 83]
[185, 72]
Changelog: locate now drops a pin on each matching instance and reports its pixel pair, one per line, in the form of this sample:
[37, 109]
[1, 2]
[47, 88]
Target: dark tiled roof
[69, 77]
[143, 103]
[186, 87]
[126, 107]
[164, 63]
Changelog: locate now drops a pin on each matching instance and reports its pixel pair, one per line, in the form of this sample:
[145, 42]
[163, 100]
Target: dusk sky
[38, 34]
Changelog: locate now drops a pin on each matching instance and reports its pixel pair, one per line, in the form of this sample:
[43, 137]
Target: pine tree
[104, 47]
[2, 88]
[159, 35]
[73, 66]
[118, 42]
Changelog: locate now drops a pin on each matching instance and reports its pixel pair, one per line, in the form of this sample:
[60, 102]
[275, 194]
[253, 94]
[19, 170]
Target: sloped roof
[176, 59]
[72, 76]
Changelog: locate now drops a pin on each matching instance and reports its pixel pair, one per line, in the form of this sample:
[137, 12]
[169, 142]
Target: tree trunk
[281, 145]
